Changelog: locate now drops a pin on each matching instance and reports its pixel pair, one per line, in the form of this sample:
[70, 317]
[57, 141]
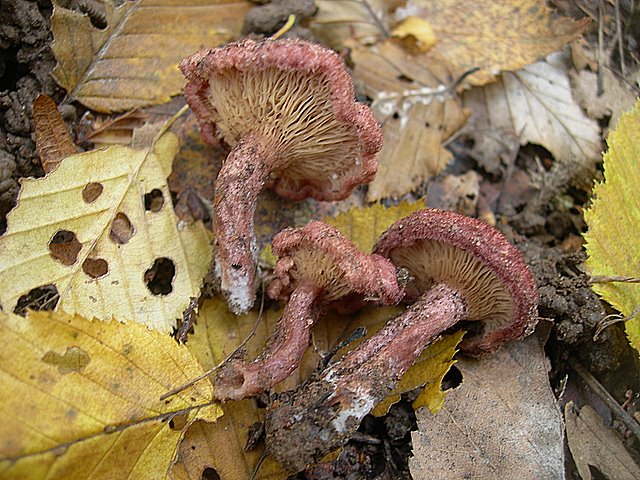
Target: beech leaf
[85, 228]
[53, 140]
[133, 62]
[613, 219]
[81, 399]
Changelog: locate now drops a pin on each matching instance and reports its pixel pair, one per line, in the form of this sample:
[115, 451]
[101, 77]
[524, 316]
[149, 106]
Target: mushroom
[318, 268]
[463, 271]
[287, 108]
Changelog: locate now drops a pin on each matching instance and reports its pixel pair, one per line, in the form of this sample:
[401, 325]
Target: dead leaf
[458, 193]
[536, 103]
[81, 398]
[417, 33]
[417, 112]
[494, 36]
[593, 444]
[616, 98]
[53, 140]
[104, 130]
[133, 61]
[220, 446]
[85, 228]
[339, 20]
[502, 422]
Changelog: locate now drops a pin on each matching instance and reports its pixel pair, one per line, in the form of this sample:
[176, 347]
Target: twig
[605, 396]
[612, 319]
[217, 367]
[377, 21]
[600, 52]
[261, 460]
[623, 68]
[613, 278]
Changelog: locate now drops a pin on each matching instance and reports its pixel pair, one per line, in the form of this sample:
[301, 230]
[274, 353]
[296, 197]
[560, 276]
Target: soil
[547, 233]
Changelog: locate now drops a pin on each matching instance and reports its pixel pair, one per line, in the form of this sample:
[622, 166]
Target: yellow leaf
[418, 29]
[220, 446]
[363, 226]
[495, 36]
[84, 228]
[417, 113]
[613, 219]
[429, 370]
[133, 61]
[81, 398]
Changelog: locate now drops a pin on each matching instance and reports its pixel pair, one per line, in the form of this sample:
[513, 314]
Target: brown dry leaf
[53, 140]
[536, 104]
[417, 112]
[593, 444]
[81, 399]
[494, 36]
[133, 61]
[617, 97]
[105, 130]
[340, 20]
[86, 229]
[502, 422]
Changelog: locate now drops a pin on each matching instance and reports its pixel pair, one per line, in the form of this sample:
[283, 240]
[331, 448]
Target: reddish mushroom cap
[444, 247]
[321, 255]
[299, 98]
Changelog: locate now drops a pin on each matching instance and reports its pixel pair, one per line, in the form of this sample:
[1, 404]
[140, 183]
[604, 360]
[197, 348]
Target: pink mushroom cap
[438, 246]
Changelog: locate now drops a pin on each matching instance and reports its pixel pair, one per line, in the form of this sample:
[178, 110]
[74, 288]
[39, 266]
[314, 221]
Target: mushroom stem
[238, 379]
[239, 182]
[329, 410]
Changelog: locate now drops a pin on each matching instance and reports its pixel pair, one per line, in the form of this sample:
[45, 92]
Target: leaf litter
[406, 90]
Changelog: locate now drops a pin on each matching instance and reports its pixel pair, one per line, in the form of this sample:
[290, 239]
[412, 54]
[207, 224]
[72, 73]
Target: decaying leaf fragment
[594, 444]
[81, 398]
[94, 230]
[53, 140]
[613, 219]
[339, 20]
[133, 61]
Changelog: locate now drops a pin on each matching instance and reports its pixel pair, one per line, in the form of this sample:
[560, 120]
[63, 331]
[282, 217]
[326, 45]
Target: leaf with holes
[81, 398]
[133, 62]
[102, 230]
[613, 219]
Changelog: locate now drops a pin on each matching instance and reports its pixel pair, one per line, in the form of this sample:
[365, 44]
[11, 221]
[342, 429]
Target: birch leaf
[81, 398]
[613, 219]
[133, 62]
[85, 229]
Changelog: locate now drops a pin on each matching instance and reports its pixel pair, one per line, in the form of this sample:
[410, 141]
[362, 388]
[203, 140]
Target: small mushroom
[287, 108]
[318, 267]
[463, 271]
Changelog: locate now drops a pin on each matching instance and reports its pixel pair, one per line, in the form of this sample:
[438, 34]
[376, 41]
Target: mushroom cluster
[317, 269]
[463, 271]
[287, 109]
